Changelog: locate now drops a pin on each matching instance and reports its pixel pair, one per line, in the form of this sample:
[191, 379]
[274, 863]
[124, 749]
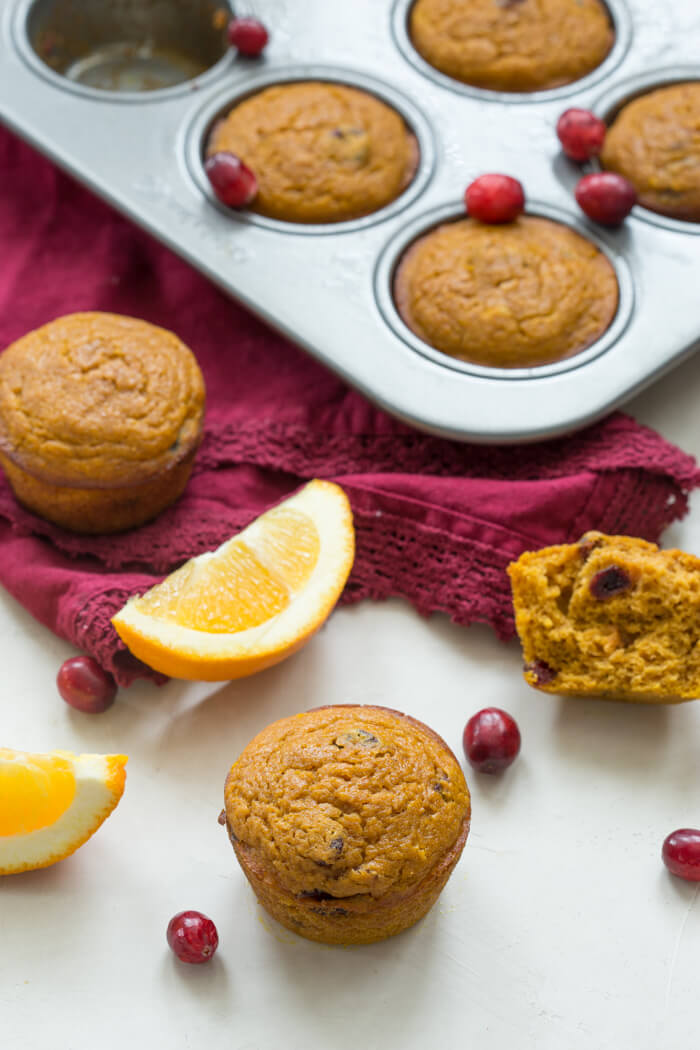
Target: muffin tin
[329, 287]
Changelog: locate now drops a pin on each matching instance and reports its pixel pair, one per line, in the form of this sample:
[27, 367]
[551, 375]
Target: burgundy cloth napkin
[437, 521]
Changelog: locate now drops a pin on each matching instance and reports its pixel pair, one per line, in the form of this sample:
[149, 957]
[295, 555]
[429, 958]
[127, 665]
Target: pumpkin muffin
[654, 141]
[100, 419]
[321, 152]
[610, 617]
[347, 821]
[513, 296]
[512, 45]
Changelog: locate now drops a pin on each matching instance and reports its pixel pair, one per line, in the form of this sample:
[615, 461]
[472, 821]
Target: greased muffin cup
[654, 141]
[610, 617]
[347, 821]
[512, 45]
[322, 152]
[514, 296]
[100, 419]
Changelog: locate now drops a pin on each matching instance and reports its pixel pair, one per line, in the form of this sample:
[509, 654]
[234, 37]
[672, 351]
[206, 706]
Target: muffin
[347, 821]
[321, 152]
[655, 142]
[611, 617]
[100, 419]
[512, 45]
[512, 296]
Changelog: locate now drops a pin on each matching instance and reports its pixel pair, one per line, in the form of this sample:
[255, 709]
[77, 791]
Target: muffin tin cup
[200, 128]
[607, 107]
[619, 13]
[328, 287]
[193, 45]
[395, 249]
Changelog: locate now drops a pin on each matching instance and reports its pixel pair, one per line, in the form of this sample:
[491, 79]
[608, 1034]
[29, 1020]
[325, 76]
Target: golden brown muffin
[512, 45]
[100, 419]
[655, 142]
[512, 296]
[347, 821]
[611, 617]
[321, 152]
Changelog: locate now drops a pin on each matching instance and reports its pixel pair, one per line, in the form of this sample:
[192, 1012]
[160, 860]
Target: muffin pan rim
[614, 100]
[622, 22]
[391, 254]
[198, 126]
[25, 49]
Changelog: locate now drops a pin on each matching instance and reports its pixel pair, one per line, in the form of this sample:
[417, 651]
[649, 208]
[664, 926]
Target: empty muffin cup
[128, 45]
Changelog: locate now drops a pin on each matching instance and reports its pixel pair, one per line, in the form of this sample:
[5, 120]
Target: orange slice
[50, 804]
[255, 600]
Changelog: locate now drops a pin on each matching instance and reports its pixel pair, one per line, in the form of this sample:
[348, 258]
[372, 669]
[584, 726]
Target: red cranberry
[491, 740]
[247, 35]
[609, 582]
[192, 936]
[581, 134]
[233, 182]
[606, 197]
[681, 853]
[544, 674]
[85, 686]
[495, 198]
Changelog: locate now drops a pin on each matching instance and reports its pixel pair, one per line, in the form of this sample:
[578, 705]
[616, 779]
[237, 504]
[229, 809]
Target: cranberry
[542, 671]
[681, 853]
[581, 134]
[247, 35]
[606, 197]
[85, 686]
[192, 936]
[609, 582]
[495, 198]
[233, 182]
[491, 740]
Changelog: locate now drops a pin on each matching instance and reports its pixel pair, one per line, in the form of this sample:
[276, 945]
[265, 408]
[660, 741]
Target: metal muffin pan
[329, 287]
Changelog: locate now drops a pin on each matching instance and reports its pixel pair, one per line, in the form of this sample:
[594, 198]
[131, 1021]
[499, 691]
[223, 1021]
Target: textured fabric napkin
[437, 522]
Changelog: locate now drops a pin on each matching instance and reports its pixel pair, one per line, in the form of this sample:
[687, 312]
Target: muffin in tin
[322, 152]
[100, 419]
[512, 45]
[347, 821]
[654, 141]
[514, 296]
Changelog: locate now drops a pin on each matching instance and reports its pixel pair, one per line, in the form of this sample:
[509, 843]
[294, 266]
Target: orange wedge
[255, 600]
[50, 804]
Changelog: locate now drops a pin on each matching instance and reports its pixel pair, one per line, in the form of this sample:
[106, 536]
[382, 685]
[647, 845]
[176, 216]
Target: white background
[560, 928]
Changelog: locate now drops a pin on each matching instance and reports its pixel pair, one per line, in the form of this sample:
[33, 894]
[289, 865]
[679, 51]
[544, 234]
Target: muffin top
[97, 399]
[347, 800]
[655, 142]
[512, 45]
[512, 296]
[321, 152]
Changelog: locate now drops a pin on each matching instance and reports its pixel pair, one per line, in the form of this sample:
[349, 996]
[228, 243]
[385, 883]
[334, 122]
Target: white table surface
[560, 928]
